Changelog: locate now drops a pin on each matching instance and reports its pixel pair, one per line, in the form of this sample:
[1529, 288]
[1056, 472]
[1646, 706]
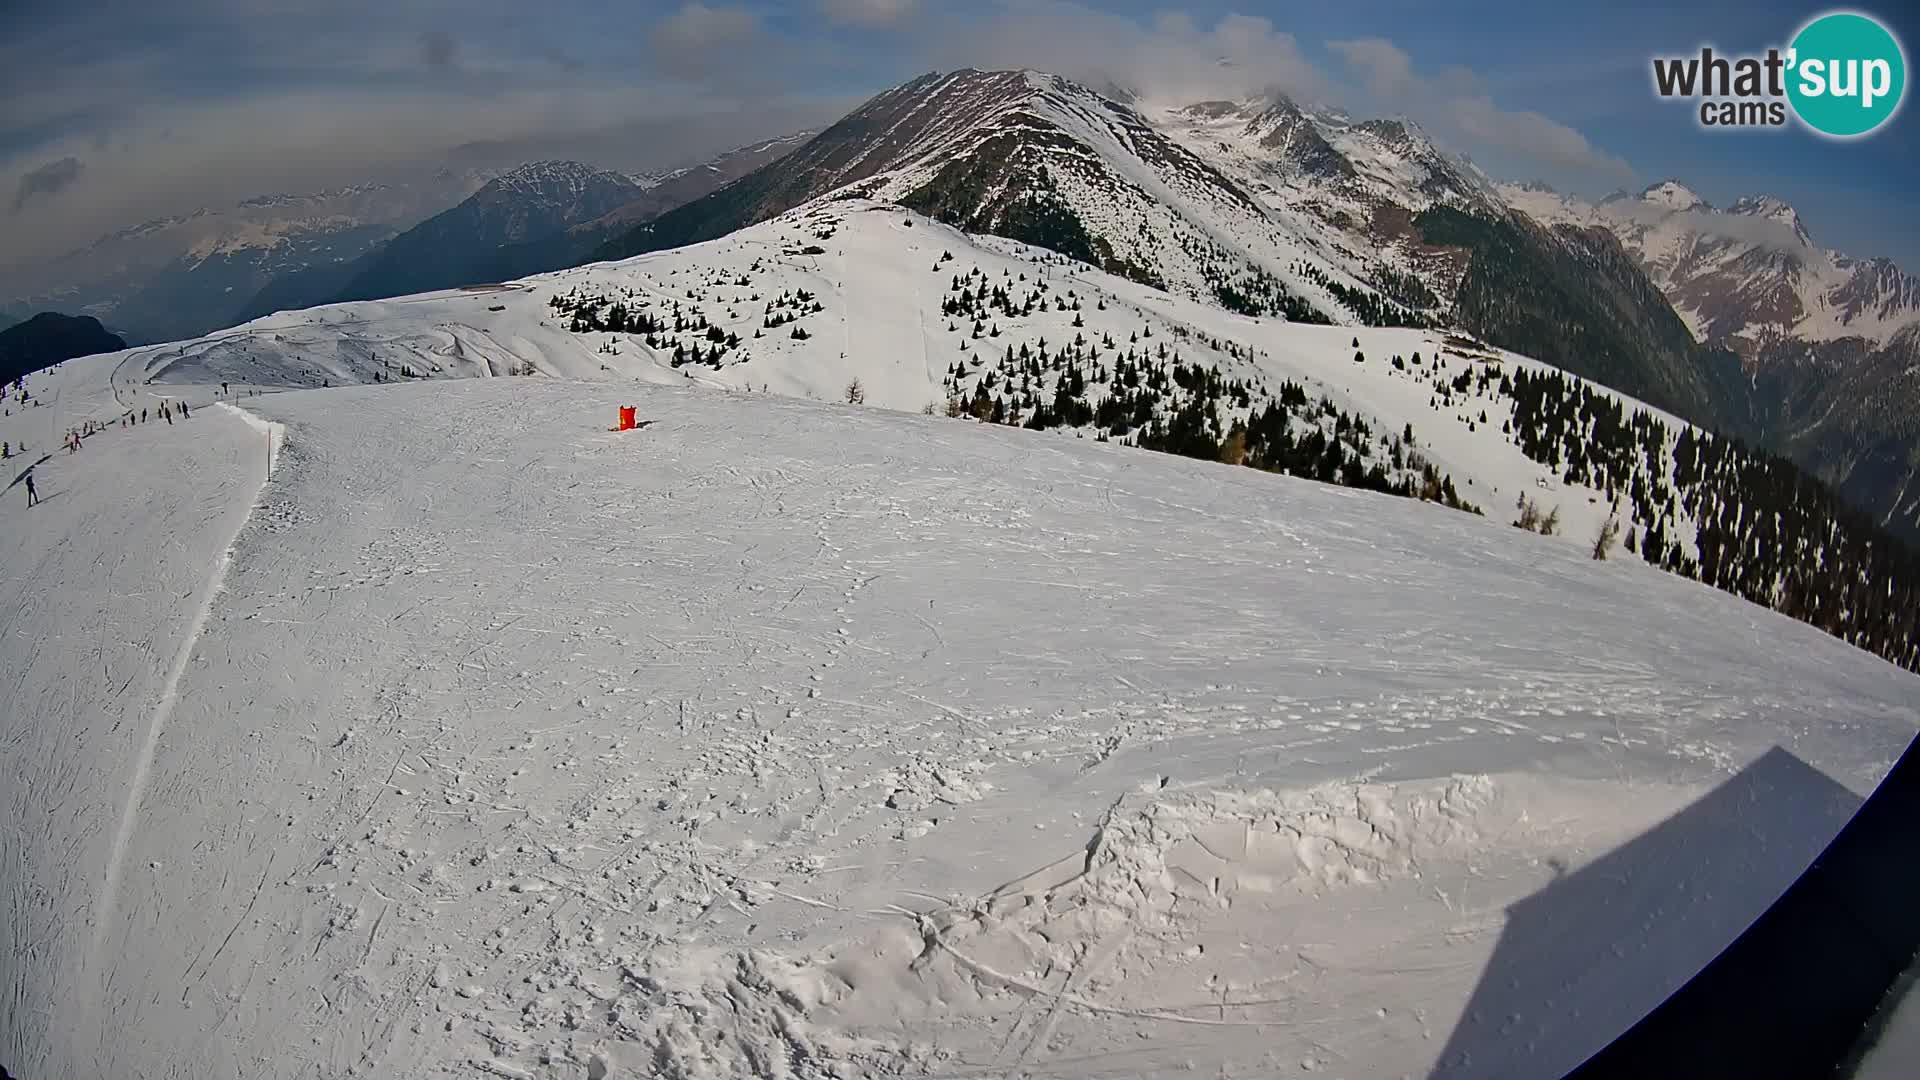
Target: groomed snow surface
[788, 739]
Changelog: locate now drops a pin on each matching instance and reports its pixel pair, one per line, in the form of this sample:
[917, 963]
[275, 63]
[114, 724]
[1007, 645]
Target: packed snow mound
[782, 738]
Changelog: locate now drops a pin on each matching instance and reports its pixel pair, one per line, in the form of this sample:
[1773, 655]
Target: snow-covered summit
[1673, 195]
[1748, 275]
[558, 179]
[1284, 208]
[1772, 209]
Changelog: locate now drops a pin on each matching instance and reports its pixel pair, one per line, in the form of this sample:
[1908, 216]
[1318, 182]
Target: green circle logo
[1847, 75]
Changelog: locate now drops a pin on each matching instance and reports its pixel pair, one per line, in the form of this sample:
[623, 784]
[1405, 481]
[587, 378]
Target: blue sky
[115, 110]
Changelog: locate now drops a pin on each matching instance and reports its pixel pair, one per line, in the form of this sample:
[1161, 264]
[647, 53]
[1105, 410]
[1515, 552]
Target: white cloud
[869, 12]
[730, 53]
[1169, 58]
[1455, 101]
[175, 159]
[697, 27]
[1744, 228]
[1386, 70]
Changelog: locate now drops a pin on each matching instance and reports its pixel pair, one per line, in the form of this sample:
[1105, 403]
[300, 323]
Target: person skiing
[33, 497]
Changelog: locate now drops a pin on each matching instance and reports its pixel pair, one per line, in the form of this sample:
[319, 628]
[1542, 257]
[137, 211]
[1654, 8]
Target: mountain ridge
[182, 275]
[1739, 285]
[470, 245]
[51, 338]
[1261, 205]
[453, 248]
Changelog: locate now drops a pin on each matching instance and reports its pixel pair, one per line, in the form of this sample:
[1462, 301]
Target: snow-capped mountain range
[1199, 199]
[1831, 343]
[668, 189]
[1747, 275]
[182, 275]
[456, 247]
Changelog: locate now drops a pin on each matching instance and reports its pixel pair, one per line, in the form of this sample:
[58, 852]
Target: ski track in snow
[169, 697]
[785, 739]
[156, 724]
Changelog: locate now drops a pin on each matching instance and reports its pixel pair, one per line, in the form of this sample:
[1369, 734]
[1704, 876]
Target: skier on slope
[33, 497]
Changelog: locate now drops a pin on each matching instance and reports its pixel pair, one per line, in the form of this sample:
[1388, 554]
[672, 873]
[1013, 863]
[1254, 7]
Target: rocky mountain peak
[1673, 195]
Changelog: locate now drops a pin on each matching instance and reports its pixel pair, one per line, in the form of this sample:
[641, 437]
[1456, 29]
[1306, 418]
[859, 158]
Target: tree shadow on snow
[1587, 956]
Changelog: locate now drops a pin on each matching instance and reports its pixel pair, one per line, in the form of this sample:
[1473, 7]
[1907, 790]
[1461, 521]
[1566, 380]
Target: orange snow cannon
[626, 418]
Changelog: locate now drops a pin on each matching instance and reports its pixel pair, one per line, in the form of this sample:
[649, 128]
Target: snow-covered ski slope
[880, 277]
[785, 738]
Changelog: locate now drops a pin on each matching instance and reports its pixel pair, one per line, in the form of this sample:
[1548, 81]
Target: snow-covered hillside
[849, 298]
[872, 289]
[785, 738]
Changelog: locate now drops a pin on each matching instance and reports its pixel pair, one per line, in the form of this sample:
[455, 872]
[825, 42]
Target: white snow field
[780, 738]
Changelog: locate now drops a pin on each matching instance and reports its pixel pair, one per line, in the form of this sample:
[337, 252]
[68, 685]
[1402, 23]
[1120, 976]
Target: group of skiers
[77, 436]
[165, 412]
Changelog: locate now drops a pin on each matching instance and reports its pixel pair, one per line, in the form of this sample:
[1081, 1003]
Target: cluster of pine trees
[1404, 289]
[682, 331]
[592, 313]
[1762, 529]
[1772, 534]
[1703, 506]
[1145, 394]
[1246, 288]
[974, 297]
[1372, 309]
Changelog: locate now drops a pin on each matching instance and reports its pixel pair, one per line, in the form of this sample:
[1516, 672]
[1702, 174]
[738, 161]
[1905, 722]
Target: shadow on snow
[1593, 952]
